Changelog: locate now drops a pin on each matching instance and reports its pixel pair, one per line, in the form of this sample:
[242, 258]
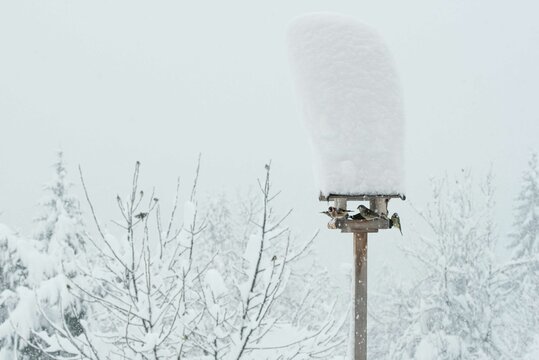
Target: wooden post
[360, 296]
[340, 203]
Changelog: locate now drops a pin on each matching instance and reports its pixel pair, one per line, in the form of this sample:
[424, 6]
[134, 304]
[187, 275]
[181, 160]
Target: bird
[335, 213]
[357, 216]
[395, 221]
[141, 215]
[367, 213]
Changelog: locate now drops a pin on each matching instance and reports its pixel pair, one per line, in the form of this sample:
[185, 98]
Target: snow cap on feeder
[351, 104]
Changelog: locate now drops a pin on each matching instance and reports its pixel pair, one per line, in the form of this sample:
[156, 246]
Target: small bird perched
[357, 216]
[141, 215]
[335, 213]
[395, 221]
[367, 213]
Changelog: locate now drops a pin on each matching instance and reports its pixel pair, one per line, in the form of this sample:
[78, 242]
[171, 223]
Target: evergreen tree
[60, 231]
[60, 227]
[525, 242]
[57, 249]
[35, 273]
[13, 274]
[23, 270]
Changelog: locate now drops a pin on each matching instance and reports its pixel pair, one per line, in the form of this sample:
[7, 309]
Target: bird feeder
[351, 104]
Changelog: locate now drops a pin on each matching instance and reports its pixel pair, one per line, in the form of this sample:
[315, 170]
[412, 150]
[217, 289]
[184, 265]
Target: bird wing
[368, 213]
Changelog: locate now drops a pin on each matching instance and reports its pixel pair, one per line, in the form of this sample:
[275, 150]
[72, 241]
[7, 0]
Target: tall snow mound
[351, 103]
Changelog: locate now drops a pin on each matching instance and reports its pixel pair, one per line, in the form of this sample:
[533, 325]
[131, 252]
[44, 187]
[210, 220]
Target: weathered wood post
[379, 205]
[360, 245]
[360, 295]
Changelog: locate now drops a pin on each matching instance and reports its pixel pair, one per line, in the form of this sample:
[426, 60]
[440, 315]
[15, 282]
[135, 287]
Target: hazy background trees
[470, 300]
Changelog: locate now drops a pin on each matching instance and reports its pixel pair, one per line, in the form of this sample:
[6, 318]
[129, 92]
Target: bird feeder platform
[359, 226]
[377, 203]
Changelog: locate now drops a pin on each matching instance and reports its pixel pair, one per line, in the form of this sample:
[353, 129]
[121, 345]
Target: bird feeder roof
[350, 97]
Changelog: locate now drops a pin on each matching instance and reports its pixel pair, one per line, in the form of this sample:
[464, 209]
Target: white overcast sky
[112, 82]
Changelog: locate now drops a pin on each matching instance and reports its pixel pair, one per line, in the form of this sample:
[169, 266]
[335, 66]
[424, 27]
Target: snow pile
[351, 103]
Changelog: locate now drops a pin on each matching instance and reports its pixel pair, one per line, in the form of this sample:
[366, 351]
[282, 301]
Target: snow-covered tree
[254, 303]
[60, 228]
[208, 289]
[25, 287]
[525, 242]
[13, 274]
[59, 232]
[468, 303]
[139, 291]
[392, 309]
[43, 267]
